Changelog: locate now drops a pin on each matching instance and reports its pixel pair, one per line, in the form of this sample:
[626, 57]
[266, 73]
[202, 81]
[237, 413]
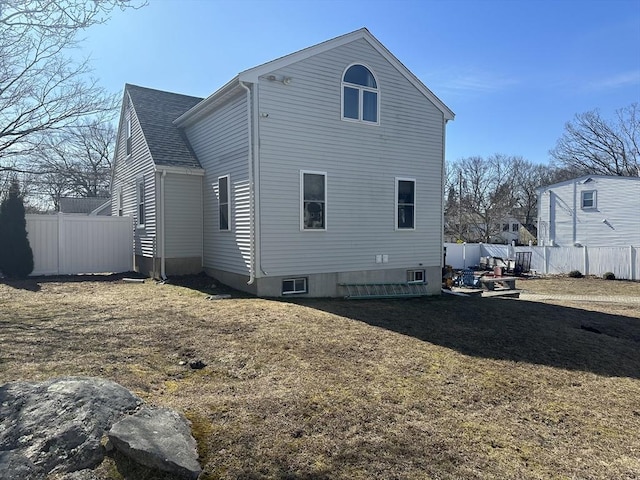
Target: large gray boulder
[158, 438]
[56, 426]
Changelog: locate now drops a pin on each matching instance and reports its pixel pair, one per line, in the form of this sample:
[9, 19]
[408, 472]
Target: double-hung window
[313, 200]
[140, 200]
[360, 95]
[588, 199]
[405, 204]
[224, 203]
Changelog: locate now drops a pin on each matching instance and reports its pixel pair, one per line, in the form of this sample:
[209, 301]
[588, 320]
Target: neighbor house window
[313, 195]
[223, 203]
[140, 198]
[294, 285]
[505, 227]
[514, 227]
[128, 142]
[415, 276]
[360, 96]
[405, 203]
[589, 199]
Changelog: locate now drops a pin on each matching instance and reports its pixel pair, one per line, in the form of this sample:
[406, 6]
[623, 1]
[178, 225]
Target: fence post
[464, 254]
[546, 259]
[586, 259]
[632, 264]
[61, 259]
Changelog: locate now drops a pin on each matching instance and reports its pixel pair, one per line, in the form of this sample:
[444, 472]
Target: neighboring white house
[318, 168]
[594, 210]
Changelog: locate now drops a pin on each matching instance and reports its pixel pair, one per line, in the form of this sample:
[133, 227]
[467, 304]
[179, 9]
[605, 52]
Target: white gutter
[163, 275]
[252, 268]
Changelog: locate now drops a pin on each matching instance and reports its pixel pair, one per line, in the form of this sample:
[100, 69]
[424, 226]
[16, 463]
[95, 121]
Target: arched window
[360, 97]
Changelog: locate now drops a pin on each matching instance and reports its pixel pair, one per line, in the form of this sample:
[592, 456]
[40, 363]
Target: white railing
[622, 261]
[72, 244]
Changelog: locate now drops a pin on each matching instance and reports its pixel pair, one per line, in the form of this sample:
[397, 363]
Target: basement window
[294, 285]
[415, 276]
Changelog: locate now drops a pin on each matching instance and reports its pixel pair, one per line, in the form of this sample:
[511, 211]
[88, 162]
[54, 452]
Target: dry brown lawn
[434, 388]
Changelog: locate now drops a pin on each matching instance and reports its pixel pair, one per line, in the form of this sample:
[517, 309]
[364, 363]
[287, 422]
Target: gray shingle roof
[81, 205]
[156, 110]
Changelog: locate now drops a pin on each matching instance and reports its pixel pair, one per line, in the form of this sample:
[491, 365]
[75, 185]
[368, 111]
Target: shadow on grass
[32, 284]
[507, 329]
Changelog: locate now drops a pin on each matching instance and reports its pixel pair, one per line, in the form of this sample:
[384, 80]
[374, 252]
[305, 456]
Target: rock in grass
[56, 426]
[197, 364]
[158, 438]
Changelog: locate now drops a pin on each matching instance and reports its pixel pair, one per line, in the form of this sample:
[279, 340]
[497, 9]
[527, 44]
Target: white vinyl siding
[361, 163]
[129, 168]
[220, 141]
[612, 221]
[183, 215]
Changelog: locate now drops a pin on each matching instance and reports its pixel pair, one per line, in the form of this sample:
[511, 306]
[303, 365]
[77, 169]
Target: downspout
[251, 192]
[163, 276]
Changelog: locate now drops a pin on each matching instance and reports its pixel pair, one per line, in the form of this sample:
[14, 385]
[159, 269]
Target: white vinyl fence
[72, 244]
[622, 261]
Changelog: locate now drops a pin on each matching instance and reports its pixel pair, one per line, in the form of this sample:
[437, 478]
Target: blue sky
[513, 71]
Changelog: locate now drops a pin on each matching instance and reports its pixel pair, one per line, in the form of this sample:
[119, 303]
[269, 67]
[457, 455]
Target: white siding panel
[183, 215]
[126, 172]
[304, 130]
[220, 142]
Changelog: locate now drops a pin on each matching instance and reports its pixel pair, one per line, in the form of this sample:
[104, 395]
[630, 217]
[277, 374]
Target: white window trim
[301, 207]
[139, 201]
[119, 202]
[360, 88]
[294, 279]
[230, 223]
[595, 200]
[412, 272]
[415, 204]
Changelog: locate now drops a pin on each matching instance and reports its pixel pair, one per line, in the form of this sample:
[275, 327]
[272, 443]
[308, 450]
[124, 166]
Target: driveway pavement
[537, 297]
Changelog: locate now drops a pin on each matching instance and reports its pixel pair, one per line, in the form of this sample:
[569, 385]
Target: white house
[594, 210]
[317, 169]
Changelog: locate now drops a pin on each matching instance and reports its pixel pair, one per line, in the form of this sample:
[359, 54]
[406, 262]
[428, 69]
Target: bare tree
[484, 194]
[42, 89]
[593, 145]
[77, 160]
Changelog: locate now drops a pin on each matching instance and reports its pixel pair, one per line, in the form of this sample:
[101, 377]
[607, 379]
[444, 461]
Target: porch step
[384, 290]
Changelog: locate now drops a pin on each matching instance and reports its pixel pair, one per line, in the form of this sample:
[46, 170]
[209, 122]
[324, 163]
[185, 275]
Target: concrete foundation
[324, 284]
[173, 266]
